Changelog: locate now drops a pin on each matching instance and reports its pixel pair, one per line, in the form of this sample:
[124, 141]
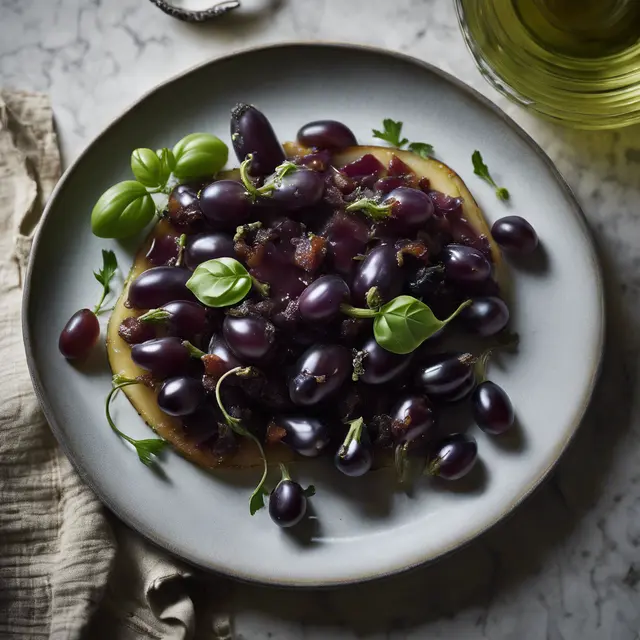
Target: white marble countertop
[566, 565]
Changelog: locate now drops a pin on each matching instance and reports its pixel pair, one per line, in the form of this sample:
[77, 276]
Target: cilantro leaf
[391, 134]
[423, 149]
[481, 170]
[105, 275]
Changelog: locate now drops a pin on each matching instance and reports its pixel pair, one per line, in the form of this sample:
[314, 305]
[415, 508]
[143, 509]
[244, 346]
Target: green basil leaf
[147, 168]
[167, 159]
[199, 155]
[404, 323]
[123, 210]
[220, 282]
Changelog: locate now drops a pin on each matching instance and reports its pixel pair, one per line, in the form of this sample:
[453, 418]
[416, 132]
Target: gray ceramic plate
[361, 528]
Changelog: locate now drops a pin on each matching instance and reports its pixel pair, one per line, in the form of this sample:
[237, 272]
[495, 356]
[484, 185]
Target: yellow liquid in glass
[574, 61]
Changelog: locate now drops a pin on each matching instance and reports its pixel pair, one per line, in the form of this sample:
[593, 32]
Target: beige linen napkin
[68, 570]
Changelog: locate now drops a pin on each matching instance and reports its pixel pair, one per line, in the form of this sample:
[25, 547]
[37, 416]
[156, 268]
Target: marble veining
[564, 566]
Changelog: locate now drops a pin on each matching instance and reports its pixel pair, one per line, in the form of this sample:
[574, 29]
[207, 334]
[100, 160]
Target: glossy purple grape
[485, 316]
[413, 418]
[183, 208]
[319, 373]
[515, 235]
[163, 250]
[465, 264]
[287, 504]
[379, 269]
[446, 377]
[321, 300]
[79, 335]
[347, 237]
[207, 246]
[452, 457]
[381, 366]
[326, 134]
[225, 204]
[187, 319]
[356, 459]
[492, 408]
[251, 338]
[305, 435]
[162, 357]
[180, 396]
[219, 348]
[159, 285]
[252, 133]
[297, 190]
[410, 208]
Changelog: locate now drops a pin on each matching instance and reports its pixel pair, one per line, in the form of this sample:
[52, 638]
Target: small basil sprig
[222, 282]
[198, 155]
[127, 208]
[403, 324]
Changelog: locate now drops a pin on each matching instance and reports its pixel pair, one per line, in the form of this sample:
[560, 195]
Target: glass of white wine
[573, 61]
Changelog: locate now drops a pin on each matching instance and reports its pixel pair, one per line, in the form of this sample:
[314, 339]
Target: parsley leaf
[391, 133]
[481, 169]
[148, 448]
[105, 275]
[423, 149]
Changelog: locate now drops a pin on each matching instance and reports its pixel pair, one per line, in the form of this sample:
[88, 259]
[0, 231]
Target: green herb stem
[371, 208]
[354, 433]
[194, 352]
[144, 448]
[182, 241]
[263, 288]
[356, 312]
[284, 471]
[256, 501]
[155, 316]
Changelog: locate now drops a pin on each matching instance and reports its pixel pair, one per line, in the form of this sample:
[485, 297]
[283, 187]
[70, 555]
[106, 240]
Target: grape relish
[298, 302]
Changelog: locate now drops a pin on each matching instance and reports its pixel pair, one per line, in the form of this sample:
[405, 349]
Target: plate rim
[460, 542]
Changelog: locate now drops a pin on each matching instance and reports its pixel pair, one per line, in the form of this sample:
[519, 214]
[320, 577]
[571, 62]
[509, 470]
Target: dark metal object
[215, 11]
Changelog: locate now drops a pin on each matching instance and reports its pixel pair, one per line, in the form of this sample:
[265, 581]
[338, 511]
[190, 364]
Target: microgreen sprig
[392, 133]
[481, 170]
[105, 275]
[256, 501]
[146, 448]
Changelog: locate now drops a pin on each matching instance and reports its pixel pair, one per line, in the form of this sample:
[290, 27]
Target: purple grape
[163, 251]
[251, 338]
[515, 235]
[287, 504]
[162, 357]
[319, 373]
[159, 285]
[379, 269]
[219, 348]
[305, 435]
[180, 396]
[326, 134]
[347, 237]
[207, 246]
[321, 300]
[79, 335]
[447, 377]
[465, 264]
[225, 204]
[485, 316]
[356, 459]
[252, 133]
[413, 418]
[381, 366]
[299, 189]
[452, 457]
[187, 319]
[410, 209]
[183, 208]
[492, 408]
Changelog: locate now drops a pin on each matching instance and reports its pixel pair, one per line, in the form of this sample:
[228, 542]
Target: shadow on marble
[487, 571]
